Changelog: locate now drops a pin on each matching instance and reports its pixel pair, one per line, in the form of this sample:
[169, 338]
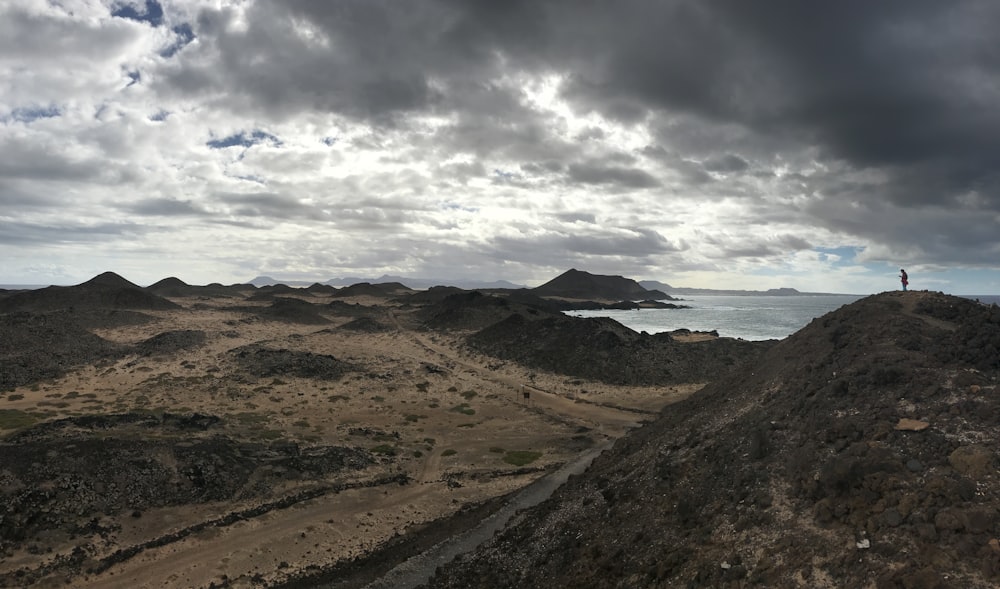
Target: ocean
[746, 317]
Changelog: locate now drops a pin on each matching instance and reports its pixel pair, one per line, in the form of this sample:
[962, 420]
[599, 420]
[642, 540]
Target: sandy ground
[456, 414]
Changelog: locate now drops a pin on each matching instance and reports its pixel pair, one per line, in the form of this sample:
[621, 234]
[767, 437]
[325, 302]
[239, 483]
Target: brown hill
[105, 291]
[386, 289]
[577, 284]
[859, 452]
[475, 310]
[602, 349]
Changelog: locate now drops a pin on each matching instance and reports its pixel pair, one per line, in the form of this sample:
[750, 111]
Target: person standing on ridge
[903, 278]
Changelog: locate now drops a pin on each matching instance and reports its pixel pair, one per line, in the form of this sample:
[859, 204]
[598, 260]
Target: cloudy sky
[719, 144]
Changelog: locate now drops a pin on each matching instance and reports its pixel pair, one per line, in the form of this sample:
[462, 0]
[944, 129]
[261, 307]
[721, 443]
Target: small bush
[464, 409]
[497, 450]
[469, 394]
[385, 450]
[449, 452]
[14, 419]
[521, 457]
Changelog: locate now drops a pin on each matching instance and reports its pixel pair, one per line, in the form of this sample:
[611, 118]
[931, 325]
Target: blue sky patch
[184, 35]
[152, 14]
[244, 139]
[27, 115]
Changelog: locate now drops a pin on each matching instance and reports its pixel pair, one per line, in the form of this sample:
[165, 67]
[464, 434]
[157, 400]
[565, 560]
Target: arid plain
[437, 427]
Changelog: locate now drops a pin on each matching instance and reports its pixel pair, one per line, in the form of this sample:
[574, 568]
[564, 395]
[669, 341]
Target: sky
[701, 143]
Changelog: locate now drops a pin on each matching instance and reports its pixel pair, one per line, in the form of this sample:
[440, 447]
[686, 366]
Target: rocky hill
[602, 349]
[577, 284]
[105, 291]
[859, 452]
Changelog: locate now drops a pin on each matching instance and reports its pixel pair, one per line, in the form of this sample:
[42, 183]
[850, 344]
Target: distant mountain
[414, 283]
[425, 283]
[655, 285]
[577, 284]
[269, 281]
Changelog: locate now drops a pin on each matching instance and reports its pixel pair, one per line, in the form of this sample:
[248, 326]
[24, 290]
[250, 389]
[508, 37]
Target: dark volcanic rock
[852, 454]
[602, 349]
[384, 290]
[35, 347]
[474, 310]
[169, 342]
[264, 362]
[294, 311]
[366, 325]
[59, 473]
[288, 310]
[432, 295]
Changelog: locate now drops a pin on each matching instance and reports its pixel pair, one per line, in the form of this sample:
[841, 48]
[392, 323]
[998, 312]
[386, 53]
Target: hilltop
[858, 452]
[577, 284]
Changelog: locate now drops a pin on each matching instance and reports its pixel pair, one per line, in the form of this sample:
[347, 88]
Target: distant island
[573, 284]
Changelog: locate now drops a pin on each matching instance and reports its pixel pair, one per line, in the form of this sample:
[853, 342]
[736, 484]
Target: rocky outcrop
[793, 471]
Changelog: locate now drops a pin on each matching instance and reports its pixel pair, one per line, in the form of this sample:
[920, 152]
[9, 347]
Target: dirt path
[418, 569]
[607, 420]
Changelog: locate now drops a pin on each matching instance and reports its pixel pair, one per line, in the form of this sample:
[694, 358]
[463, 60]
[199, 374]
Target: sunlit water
[746, 317]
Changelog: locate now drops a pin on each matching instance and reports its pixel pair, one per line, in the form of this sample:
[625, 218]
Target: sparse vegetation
[521, 457]
[449, 452]
[15, 419]
[385, 450]
[469, 394]
[464, 409]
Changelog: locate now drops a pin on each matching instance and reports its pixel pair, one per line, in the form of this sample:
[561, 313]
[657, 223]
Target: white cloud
[228, 139]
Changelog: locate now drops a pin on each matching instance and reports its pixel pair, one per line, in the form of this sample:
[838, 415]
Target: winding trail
[420, 568]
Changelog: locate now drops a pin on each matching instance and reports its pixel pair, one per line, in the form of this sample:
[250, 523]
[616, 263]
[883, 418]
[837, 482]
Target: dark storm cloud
[550, 247]
[620, 177]
[23, 233]
[166, 207]
[726, 163]
[764, 248]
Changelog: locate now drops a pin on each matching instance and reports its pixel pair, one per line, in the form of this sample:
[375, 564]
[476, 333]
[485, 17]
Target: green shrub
[385, 450]
[15, 419]
[521, 457]
[449, 452]
[464, 409]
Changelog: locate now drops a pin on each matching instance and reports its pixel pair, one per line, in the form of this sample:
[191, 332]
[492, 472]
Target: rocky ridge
[858, 452]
